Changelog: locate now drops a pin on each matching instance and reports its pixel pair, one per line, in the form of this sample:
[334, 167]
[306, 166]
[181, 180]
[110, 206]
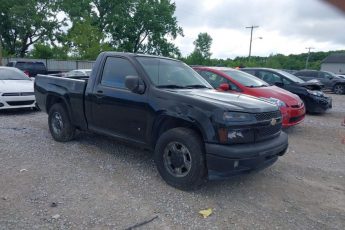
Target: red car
[235, 81]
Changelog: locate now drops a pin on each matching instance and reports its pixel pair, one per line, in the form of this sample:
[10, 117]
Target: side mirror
[224, 87]
[279, 84]
[135, 84]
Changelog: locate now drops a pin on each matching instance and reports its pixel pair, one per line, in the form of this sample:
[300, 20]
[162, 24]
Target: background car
[329, 79]
[29, 68]
[16, 89]
[341, 75]
[228, 79]
[79, 73]
[310, 92]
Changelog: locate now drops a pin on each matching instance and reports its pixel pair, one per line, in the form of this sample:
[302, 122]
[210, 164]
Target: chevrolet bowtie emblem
[273, 122]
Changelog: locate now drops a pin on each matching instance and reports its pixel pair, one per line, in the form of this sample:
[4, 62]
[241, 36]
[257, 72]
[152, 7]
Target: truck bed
[71, 91]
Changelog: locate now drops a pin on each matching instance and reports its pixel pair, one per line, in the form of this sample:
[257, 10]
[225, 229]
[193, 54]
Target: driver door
[115, 109]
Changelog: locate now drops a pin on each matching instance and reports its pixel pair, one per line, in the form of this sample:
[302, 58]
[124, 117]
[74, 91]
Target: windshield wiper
[256, 86]
[196, 86]
[171, 86]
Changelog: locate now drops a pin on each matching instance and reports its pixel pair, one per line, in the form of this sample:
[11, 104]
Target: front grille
[10, 94]
[18, 94]
[295, 119]
[270, 125]
[27, 94]
[295, 106]
[267, 131]
[268, 116]
[16, 103]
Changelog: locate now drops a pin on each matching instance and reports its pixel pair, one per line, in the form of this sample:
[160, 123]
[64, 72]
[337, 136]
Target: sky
[285, 26]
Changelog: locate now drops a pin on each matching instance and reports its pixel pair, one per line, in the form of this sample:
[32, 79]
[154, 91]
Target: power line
[251, 39]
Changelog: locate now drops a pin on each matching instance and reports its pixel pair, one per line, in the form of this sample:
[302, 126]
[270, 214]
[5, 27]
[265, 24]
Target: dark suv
[310, 92]
[329, 79]
[30, 68]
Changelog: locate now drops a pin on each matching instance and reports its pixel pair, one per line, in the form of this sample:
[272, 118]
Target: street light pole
[251, 39]
[307, 61]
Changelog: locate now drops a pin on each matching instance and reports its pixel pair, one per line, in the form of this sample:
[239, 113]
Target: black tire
[60, 125]
[339, 89]
[196, 175]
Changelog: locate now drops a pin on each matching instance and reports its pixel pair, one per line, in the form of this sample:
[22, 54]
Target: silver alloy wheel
[339, 89]
[177, 159]
[57, 123]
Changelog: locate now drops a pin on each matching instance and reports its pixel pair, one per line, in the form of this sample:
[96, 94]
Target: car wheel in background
[59, 123]
[339, 89]
[180, 158]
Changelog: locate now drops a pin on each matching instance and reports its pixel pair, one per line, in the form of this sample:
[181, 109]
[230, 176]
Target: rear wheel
[180, 158]
[60, 125]
[339, 89]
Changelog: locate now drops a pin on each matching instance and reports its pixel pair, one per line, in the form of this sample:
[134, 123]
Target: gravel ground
[94, 182]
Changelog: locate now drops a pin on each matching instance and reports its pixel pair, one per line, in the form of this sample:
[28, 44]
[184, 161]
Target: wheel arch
[166, 122]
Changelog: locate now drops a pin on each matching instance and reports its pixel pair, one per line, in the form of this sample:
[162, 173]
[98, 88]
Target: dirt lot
[98, 183]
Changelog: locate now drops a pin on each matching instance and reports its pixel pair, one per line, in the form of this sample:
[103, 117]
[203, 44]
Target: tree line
[69, 29]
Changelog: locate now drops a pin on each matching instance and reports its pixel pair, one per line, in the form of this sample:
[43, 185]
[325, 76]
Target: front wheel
[60, 125]
[180, 158]
[339, 89]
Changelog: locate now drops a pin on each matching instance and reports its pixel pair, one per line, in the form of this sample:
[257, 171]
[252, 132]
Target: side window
[325, 75]
[304, 74]
[250, 71]
[115, 70]
[215, 80]
[20, 65]
[286, 81]
[269, 77]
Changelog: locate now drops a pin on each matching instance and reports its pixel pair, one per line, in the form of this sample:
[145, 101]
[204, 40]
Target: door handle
[99, 94]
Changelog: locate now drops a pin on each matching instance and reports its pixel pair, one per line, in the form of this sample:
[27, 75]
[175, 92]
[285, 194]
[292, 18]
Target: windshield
[169, 73]
[245, 78]
[12, 74]
[290, 76]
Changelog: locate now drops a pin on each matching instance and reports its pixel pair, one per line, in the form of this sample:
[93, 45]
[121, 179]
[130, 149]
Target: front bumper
[14, 102]
[293, 116]
[228, 160]
[319, 104]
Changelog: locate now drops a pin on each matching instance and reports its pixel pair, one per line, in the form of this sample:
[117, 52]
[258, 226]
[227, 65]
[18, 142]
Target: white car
[79, 73]
[16, 89]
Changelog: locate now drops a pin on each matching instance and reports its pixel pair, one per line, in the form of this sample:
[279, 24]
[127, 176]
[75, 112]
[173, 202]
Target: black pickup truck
[161, 104]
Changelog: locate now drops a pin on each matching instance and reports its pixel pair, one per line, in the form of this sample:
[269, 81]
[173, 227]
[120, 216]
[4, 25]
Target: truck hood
[278, 93]
[229, 101]
[16, 86]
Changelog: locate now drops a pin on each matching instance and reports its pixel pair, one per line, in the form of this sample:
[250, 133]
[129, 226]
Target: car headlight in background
[275, 101]
[316, 93]
[237, 117]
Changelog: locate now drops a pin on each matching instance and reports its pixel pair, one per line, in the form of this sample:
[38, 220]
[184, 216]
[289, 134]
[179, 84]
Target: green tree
[26, 22]
[201, 54]
[46, 51]
[146, 26]
[85, 40]
[203, 45]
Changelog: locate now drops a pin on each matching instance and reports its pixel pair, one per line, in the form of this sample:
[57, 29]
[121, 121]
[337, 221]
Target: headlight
[315, 93]
[236, 117]
[275, 101]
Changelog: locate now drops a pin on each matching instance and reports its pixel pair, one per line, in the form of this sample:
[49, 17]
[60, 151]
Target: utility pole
[0, 52]
[307, 61]
[251, 39]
